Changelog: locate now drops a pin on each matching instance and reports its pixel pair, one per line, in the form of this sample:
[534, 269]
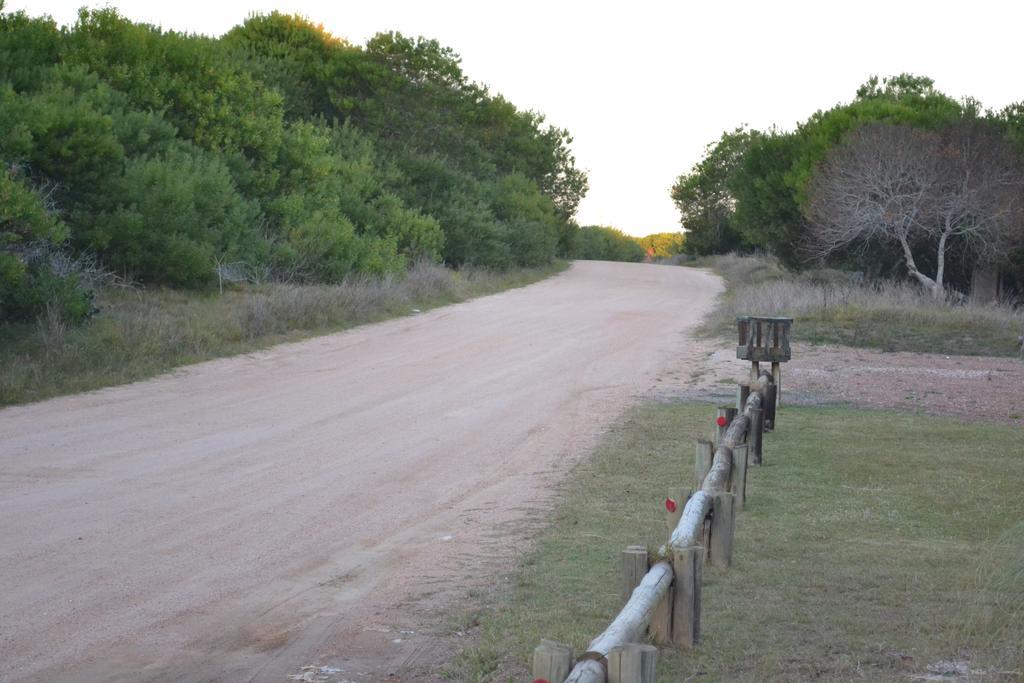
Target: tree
[293, 55]
[561, 180]
[766, 212]
[897, 87]
[704, 198]
[531, 219]
[893, 183]
[982, 200]
[769, 184]
[662, 244]
[602, 243]
[278, 145]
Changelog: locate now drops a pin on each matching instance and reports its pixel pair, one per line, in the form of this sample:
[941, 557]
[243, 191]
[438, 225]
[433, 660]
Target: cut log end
[552, 661]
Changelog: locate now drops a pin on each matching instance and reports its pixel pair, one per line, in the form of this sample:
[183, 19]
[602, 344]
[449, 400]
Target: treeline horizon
[605, 243]
[274, 152]
[902, 181]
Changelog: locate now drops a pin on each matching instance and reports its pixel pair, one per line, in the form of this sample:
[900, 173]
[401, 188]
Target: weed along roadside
[837, 307]
[664, 591]
[139, 333]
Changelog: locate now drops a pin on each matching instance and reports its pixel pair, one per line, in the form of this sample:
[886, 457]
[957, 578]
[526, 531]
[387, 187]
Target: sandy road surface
[245, 517]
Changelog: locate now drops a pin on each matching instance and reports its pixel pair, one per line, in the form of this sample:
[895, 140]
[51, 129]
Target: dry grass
[857, 559]
[832, 307]
[143, 332]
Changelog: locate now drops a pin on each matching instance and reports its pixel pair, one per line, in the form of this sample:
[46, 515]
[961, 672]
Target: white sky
[644, 86]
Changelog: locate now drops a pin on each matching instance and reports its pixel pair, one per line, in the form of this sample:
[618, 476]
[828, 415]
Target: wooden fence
[663, 593]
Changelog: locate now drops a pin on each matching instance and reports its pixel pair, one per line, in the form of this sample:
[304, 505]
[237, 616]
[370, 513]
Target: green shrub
[324, 244]
[62, 133]
[175, 216]
[531, 219]
[29, 286]
[600, 243]
[30, 46]
[36, 290]
[339, 165]
[417, 237]
[212, 100]
[663, 245]
[24, 216]
[472, 235]
[169, 155]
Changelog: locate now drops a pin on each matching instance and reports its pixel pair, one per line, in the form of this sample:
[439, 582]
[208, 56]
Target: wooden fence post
[755, 437]
[552, 661]
[742, 394]
[634, 663]
[634, 567]
[723, 525]
[660, 628]
[687, 564]
[726, 413]
[705, 537]
[702, 462]
[679, 496]
[777, 379]
[770, 395]
[738, 483]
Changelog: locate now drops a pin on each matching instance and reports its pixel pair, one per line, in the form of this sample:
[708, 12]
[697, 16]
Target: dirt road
[312, 504]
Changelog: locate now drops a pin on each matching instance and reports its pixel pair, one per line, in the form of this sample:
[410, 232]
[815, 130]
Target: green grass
[874, 544]
[830, 308]
[953, 332]
[144, 332]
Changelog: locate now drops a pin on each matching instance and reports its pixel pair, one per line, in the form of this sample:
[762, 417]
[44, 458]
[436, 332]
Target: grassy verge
[829, 307]
[141, 333]
[857, 559]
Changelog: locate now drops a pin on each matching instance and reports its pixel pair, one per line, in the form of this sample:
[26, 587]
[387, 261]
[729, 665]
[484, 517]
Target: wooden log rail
[717, 481]
[664, 598]
[628, 627]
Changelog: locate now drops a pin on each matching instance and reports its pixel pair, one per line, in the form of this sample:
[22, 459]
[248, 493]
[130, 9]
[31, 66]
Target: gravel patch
[973, 388]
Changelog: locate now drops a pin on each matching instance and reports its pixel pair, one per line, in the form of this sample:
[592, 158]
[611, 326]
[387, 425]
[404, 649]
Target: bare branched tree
[981, 197]
[874, 186]
[898, 184]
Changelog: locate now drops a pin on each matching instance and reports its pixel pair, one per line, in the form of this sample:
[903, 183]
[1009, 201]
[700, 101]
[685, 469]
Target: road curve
[241, 518]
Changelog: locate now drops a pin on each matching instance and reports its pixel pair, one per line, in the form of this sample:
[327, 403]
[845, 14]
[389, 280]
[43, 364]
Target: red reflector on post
[721, 421]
